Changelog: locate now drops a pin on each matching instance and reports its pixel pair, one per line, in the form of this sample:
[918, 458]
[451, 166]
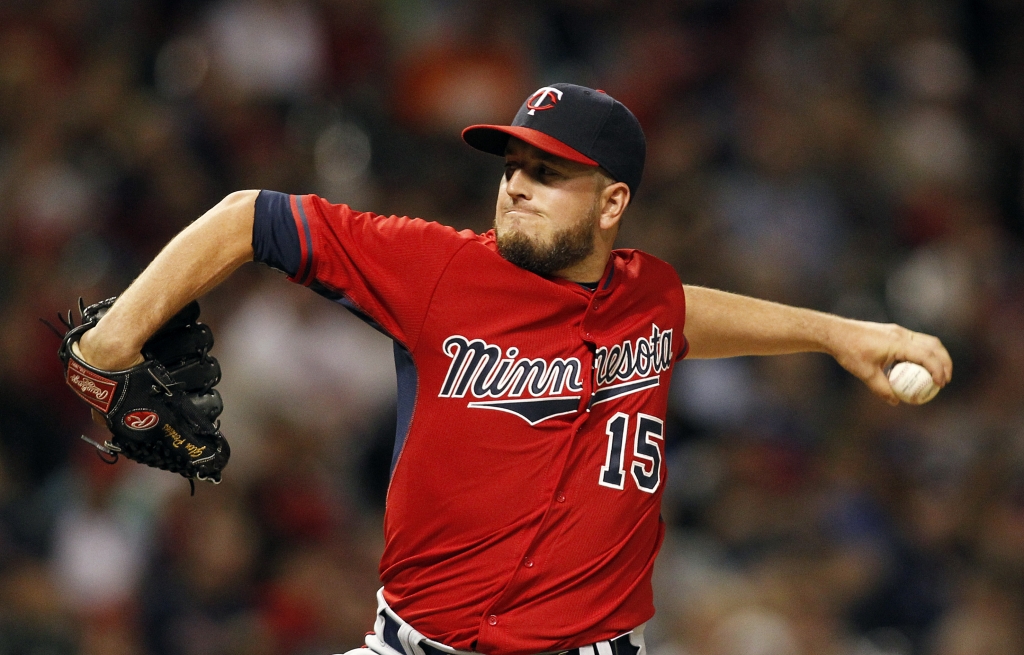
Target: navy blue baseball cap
[579, 124]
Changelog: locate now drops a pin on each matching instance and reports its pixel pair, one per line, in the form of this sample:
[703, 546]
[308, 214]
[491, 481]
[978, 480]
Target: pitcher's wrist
[107, 354]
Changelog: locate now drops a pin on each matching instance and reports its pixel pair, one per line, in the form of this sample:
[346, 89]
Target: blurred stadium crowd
[856, 156]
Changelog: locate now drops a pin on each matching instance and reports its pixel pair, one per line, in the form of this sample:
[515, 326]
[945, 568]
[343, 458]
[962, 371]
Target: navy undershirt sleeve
[275, 237]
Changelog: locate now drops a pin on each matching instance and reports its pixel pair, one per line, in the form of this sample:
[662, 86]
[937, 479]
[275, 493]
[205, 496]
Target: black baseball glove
[161, 412]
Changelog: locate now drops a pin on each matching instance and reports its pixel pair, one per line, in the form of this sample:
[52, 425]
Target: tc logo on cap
[545, 97]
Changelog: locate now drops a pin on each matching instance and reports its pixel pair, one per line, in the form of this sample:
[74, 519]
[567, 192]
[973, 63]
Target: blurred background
[856, 156]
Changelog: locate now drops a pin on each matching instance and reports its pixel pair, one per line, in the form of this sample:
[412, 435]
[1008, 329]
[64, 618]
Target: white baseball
[912, 383]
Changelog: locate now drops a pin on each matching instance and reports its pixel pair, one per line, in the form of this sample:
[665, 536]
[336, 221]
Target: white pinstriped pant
[413, 642]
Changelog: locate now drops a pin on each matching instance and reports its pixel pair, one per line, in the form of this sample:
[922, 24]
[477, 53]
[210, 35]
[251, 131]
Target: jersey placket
[531, 560]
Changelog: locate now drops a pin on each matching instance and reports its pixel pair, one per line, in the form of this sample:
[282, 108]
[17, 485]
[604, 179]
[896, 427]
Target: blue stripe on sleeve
[302, 279]
[275, 238]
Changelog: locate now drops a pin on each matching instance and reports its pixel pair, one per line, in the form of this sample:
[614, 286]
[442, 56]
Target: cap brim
[494, 138]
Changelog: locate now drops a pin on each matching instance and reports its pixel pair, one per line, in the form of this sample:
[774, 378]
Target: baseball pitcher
[533, 366]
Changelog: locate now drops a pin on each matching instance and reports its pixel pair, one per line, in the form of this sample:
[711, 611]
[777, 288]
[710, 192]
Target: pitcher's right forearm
[195, 261]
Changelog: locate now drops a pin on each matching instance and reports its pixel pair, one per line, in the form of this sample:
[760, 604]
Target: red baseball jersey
[523, 510]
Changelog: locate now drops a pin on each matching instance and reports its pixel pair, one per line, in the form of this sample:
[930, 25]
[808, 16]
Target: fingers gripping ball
[162, 412]
[912, 383]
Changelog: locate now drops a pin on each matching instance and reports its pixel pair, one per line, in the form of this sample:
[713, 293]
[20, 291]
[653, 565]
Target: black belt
[619, 645]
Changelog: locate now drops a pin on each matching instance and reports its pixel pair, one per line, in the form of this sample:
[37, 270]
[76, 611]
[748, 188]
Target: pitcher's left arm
[722, 324]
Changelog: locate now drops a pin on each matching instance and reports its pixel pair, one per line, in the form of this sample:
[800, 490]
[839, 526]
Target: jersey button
[492, 620]
[528, 563]
[560, 498]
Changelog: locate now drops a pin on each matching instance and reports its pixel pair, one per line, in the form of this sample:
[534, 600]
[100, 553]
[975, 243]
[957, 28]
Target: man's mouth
[521, 211]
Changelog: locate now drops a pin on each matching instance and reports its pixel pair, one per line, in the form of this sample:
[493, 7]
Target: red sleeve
[386, 266]
[686, 342]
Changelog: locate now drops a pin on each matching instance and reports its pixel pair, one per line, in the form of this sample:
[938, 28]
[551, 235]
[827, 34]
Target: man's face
[546, 218]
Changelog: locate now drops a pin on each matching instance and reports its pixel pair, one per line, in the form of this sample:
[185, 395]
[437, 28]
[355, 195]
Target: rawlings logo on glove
[141, 419]
[162, 412]
[94, 389]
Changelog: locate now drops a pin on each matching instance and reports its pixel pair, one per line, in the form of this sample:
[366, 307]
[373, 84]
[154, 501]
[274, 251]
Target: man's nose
[517, 184]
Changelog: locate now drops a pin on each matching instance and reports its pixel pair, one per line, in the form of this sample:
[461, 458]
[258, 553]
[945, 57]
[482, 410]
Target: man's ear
[613, 202]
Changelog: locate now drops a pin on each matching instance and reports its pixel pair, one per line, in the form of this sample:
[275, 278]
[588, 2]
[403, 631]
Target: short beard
[568, 248]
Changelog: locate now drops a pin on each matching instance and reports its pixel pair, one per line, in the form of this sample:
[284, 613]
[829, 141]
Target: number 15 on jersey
[648, 438]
